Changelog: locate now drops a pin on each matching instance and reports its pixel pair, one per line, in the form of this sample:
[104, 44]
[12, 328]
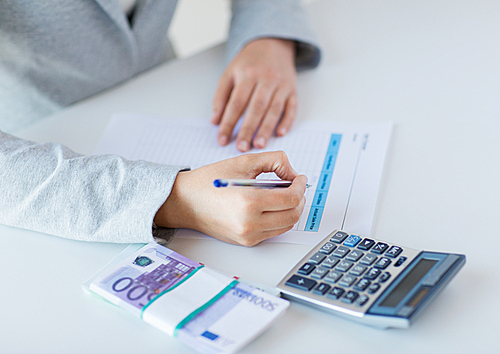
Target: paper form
[342, 161]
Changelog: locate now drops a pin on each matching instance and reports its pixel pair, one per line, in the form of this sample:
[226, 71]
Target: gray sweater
[57, 52]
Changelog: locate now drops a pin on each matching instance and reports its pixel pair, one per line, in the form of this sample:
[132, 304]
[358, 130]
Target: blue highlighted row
[318, 203]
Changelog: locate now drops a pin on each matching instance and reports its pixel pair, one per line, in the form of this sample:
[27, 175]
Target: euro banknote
[225, 326]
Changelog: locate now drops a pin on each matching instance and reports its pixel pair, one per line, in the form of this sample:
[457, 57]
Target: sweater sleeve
[49, 188]
[286, 19]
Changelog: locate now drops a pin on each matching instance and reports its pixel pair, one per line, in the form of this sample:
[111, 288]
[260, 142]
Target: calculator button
[339, 237]
[340, 252]
[336, 293]
[400, 261]
[366, 244]
[344, 266]
[394, 251]
[321, 289]
[363, 299]
[306, 269]
[319, 273]
[301, 283]
[355, 255]
[372, 274]
[358, 269]
[333, 277]
[352, 241]
[368, 259]
[317, 258]
[382, 263]
[347, 281]
[362, 285]
[373, 288]
[380, 248]
[350, 297]
[327, 248]
[330, 262]
[384, 277]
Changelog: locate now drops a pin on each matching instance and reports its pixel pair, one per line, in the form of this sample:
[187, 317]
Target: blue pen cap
[220, 183]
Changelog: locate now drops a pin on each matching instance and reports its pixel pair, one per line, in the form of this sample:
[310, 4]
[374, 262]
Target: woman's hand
[261, 80]
[243, 216]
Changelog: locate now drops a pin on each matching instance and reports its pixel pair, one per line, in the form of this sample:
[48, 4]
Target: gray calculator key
[339, 237]
[327, 248]
[394, 251]
[384, 277]
[321, 289]
[317, 258]
[362, 285]
[355, 255]
[319, 273]
[372, 274]
[330, 262]
[373, 288]
[333, 277]
[336, 293]
[344, 266]
[350, 297]
[341, 252]
[296, 281]
[358, 270]
[382, 263]
[368, 259]
[306, 269]
[363, 299]
[347, 281]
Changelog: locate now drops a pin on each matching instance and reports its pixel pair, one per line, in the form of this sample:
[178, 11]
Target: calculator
[367, 280]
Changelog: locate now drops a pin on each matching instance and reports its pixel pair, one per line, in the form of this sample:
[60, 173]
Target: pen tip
[219, 183]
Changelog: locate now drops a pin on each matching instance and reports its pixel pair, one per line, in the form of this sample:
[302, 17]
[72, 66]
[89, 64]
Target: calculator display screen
[408, 283]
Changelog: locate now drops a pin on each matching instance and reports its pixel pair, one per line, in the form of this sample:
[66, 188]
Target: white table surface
[432, 67]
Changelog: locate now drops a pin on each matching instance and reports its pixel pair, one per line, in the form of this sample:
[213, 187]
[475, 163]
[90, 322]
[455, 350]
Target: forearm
[51, 189]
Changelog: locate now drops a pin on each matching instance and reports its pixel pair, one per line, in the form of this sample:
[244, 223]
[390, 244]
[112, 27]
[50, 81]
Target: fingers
[257, 108]
[238, 101]
[221, 97]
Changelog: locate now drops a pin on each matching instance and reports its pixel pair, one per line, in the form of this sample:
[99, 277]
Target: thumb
[274, 161]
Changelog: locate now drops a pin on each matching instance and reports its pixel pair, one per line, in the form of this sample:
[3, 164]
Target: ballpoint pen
[254, 183]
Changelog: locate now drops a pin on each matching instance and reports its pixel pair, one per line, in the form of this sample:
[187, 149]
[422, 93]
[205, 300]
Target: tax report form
[343, 162]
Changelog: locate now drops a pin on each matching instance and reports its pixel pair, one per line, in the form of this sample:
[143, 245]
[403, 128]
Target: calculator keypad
[348, 270]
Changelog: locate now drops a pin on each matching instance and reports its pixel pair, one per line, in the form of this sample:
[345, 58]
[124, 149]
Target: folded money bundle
[206, 309]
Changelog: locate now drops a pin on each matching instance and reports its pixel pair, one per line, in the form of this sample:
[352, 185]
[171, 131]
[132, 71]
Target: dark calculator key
[368, 259]
[400, 261]
[327, 248]
[363, 299]
[355, 255]
[350, 297]
[382, 263]
[319, 273]
[380, 248]
[352, 241]
[330, 262]
[341, 252]
[317, 258]
[306, 269]
[336, 293]
[372, 274]
[344, 266]
[333, 276]
[394, 251]
[347, 281]
[384, 277]
[373, 288]
[358, 270]
[339, 237]
[362, 285]
[301, 283]
[321, 289]
[366, 244]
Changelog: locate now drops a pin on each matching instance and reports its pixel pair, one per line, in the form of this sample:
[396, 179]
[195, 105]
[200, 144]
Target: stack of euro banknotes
[202, 307]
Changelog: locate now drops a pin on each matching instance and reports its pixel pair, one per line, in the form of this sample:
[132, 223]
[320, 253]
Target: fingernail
[223, 139]
[260, 142]
[281, 131]
[242, 145]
